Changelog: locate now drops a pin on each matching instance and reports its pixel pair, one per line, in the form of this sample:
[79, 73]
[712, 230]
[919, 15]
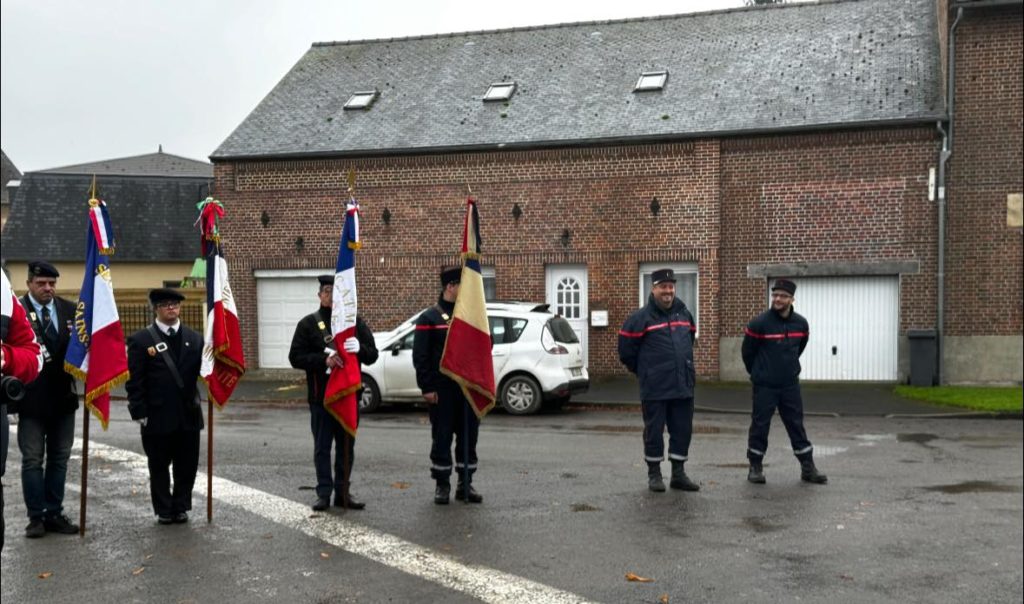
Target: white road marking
[483, 583]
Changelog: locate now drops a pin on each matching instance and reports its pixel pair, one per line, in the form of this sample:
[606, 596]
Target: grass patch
[979, 398]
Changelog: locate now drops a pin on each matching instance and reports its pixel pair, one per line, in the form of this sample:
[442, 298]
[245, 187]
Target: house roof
[152, 164]
[152, 217]
[828, 64]
[8, 172]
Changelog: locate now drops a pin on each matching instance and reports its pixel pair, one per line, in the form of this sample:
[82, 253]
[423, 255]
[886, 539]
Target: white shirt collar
[164, 327]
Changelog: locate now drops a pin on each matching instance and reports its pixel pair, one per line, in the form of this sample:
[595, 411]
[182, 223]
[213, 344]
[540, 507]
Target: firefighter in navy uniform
[313, 349]
[772, 345]
[656, 344]
[449, 411]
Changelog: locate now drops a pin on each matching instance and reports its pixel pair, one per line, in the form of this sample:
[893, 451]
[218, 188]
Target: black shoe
[442, 492]
[164, 519]
[60, 524]
[654, 480]
[682, 482]
[468, 495]
[35, 529]
[180, 518]
[756, 473]
[321, 504]
[809, 473]
[352, 503]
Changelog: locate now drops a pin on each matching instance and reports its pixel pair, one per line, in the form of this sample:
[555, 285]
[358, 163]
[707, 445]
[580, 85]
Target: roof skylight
[500, 91]
[361, 100]
[651, 80]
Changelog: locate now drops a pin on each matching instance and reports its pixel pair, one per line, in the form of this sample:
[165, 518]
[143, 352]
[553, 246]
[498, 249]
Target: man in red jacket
[20, 363]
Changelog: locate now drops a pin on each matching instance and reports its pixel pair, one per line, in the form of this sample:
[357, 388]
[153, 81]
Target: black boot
[679, 478]
[442, 492]
[809, 473]
[654, 481]
[756, 473]
[469, 495]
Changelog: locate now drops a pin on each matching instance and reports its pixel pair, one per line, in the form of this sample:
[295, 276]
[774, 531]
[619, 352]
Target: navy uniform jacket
[428, 346]
[53, 392]
[307, 351]
[772, 346]
[152, 390]
[657, 345]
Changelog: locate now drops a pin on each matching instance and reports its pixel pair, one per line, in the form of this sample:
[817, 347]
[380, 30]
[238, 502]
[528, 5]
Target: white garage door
[854, 325]
[281, 301]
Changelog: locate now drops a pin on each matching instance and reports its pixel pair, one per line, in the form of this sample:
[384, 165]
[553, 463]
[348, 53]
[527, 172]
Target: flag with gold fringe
[96, 353]
[223, 360]
[344, 382]
[467, 350]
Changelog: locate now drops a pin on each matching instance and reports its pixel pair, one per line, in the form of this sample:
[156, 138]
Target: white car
[537, 359]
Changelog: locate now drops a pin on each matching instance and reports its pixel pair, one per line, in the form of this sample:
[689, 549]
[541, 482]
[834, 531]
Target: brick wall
[984, 282]
[851, 196]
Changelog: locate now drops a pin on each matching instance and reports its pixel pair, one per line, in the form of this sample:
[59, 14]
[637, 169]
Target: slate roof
[152, 164]
[790, 66]
[8, 172]
[152, 217]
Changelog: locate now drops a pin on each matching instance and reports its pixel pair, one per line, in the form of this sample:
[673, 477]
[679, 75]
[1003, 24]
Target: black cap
[450, 274]
[42, 268]
[164, 294]
[661, 275]
[325, 280]
[785, 285]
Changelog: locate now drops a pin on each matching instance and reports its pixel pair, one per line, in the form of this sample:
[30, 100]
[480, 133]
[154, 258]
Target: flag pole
[346, 461]
[84, 491]
[209, 461]
[82, 499]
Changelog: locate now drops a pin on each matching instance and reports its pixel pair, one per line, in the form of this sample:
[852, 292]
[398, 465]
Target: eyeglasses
[781, 296]
[168, 304]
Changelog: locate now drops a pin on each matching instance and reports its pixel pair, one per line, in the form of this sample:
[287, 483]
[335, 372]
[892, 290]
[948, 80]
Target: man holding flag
[333, 374]
[452, 357]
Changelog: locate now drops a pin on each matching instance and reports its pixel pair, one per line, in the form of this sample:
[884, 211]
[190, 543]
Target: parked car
[537, 359]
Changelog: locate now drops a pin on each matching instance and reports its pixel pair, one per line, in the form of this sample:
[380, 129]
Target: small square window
[361, 100]
[651, 80]
[500, 91]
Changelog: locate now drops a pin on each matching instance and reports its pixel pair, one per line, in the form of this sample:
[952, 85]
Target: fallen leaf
[400, 485]
[663, 599]
[638, 578]
[267, 536]
[845, 577]
[324, 555]
[148, 557]
[45, 575]
[138, 571]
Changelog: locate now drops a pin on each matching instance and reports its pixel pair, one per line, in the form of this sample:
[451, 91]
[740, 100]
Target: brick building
[796, 140]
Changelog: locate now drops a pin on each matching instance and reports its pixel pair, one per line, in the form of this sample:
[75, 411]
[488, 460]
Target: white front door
[567, 295]
[854, 327]
[280, 303]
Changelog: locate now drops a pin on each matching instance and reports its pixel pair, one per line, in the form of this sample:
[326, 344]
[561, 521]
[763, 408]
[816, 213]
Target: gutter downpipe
[944, 155]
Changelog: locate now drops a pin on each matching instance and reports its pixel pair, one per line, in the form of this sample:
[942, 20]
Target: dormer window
[651, 80]
[500, 91]
[361, 100]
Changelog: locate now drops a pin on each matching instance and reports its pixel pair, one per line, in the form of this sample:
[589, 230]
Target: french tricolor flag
[343, 383]
[96, 353]
[223, 360]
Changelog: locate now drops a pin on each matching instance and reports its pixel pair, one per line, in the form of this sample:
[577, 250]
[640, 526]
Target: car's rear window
[562, 331]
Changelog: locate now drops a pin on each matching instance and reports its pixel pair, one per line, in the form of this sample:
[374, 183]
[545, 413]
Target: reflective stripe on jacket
[657, 345]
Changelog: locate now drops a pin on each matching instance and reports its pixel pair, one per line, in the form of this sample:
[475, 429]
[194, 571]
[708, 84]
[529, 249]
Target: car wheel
[370, 400]
[520, 395]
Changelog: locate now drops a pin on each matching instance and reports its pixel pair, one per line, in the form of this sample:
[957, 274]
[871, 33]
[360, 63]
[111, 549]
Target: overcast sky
[101, 79]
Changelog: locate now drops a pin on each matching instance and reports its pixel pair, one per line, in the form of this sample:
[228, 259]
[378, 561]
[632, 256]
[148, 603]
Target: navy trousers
[451, 418]
[791, 411]
[677, 414]
[328, 433]
[179, 453]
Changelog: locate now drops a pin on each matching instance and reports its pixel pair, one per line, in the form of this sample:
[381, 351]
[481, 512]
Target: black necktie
[49, 332]
[170, 332]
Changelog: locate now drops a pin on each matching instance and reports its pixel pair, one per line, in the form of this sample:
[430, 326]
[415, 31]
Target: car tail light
[558, 349]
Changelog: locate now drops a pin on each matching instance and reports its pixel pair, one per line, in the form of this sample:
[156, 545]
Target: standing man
[772, 345]
[449, 410]
[163, 397]
[20, 363]
[656, 344]
[46, 418]
[313, 349]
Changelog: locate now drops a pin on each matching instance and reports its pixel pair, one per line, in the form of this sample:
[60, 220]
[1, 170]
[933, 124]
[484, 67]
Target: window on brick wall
[686, 284]
[490, 283]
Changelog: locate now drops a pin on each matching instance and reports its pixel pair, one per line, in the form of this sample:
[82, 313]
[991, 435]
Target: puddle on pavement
[566, 475]
[916, 437]
[584, 507]
[762, 525]
[973, 486]
[742, 466]
[603, 428]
